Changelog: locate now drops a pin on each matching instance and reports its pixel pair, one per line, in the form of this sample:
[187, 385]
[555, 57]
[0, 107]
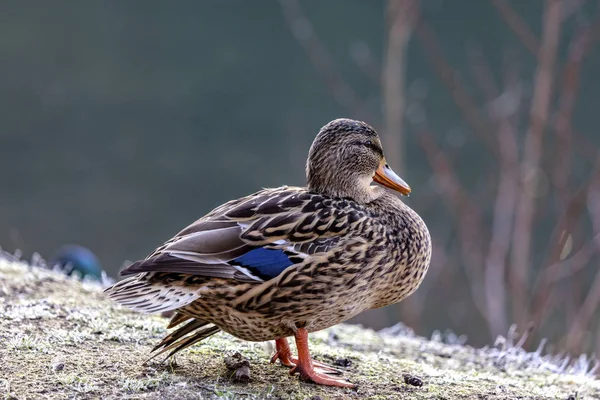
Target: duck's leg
[283, 353]
[306, 368]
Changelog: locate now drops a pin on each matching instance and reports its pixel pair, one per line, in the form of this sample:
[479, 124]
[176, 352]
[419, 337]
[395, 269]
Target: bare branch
[571, 75]
[449, 76]
[532, 155]
[567, 268]
[591, 303]
[468, 214]
[546, 282]
[401, 16]
[322, 60]
[482, 73]
[363, 57]
[518, 25]
[504, 207]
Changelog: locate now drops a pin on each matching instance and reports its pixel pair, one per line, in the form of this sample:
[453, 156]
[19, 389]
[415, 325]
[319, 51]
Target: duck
[288, 261]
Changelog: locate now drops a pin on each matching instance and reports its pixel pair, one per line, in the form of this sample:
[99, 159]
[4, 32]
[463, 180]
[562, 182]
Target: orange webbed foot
[283, 353]
[316, 375]
[309, 370]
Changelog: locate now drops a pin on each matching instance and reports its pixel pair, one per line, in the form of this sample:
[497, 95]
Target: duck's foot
[309, 373]
[283, 353]
[308, 369]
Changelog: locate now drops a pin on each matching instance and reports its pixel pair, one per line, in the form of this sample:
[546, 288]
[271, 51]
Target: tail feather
[141, 294]
[178, 319]
[177, 340]
[184, 330]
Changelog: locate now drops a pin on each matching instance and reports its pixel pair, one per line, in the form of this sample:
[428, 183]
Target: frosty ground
[61, 338]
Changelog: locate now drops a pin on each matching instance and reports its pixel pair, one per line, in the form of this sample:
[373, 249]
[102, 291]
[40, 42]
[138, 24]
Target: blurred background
[122, 122]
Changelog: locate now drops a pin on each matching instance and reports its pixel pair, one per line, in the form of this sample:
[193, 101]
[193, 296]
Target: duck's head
[344, 160]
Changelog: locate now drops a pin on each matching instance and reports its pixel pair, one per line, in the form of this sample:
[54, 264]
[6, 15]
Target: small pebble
[316, 398]
[242, 374]
[412, 380]
[236, 362]
[332, 338]
[343, 362]
[58, 364]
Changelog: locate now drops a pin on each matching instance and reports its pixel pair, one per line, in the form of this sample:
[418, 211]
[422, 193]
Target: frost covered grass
[64, 339]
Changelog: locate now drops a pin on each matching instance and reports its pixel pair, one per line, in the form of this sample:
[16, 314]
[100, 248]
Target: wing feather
[290, 219]
[213, 241]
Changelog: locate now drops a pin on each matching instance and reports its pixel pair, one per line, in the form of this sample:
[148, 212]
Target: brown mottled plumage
[289, 261]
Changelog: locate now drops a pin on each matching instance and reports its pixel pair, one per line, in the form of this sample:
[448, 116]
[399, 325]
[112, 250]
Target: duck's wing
[255, 238]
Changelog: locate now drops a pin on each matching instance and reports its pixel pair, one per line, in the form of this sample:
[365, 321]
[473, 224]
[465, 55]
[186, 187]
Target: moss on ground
[61, 338]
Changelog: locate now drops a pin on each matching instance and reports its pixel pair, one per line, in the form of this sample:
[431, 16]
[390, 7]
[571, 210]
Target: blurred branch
[562, 159]
[575, 263]
[482, 73]
[547, 280]
[578, 48]
[531, 159]
[518, 25]
[452, 80]
[468, 214]
[502, 223]
[401, 16]
[321, 59]
[583, 319]
[544, 288]
[506, 192]
[571, 7]
[585, 148]
[363, 57]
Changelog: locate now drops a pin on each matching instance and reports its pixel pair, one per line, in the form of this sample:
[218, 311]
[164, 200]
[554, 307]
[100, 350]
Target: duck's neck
[357, 189]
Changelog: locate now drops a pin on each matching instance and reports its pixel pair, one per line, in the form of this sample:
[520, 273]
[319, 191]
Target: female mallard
[291, 260]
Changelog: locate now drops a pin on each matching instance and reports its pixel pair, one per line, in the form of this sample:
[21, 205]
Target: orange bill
[388, 178]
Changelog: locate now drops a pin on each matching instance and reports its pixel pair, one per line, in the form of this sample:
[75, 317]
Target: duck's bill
[388, 178]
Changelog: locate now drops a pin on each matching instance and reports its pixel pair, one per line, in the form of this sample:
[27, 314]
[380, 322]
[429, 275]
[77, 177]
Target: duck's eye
[366, 143]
